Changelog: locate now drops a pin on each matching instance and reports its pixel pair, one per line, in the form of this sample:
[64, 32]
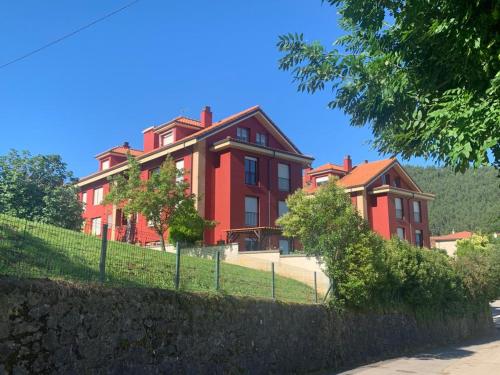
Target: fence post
[272, 281]
[315, 289]
[177, 265]
[217, 270]
[104, 247]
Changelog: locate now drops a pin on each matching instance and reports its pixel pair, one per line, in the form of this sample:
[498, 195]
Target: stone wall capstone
[65, 328]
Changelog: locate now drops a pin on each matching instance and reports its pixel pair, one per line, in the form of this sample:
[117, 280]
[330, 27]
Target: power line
[69, 35]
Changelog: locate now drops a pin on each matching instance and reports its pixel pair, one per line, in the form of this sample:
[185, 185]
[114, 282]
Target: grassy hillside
[469, 201]
[29, 249]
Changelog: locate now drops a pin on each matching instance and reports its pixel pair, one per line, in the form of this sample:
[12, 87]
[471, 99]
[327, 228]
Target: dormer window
[167, 138]
[105, 164]
[242, 134]
[386, 179]
[261, 139]
[321, 180]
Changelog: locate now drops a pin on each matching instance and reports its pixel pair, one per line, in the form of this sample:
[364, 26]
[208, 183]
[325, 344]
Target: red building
[383, 193]
[241, 168]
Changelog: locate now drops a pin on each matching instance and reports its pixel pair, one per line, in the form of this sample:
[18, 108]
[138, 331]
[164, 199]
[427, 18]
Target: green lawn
[29, 249]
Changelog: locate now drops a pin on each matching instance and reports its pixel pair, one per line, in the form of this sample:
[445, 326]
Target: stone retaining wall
[65, 328]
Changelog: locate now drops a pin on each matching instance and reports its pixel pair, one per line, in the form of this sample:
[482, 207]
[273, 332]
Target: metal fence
[36, 250]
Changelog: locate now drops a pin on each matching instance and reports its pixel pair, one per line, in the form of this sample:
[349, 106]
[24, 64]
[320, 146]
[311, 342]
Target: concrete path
[479, 358]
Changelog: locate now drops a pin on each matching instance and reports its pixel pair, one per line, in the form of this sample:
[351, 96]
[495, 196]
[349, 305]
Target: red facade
[242, 168]
[213, 156]
[384, 194]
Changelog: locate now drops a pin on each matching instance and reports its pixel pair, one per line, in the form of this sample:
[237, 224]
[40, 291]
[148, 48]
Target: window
[417, 216]
[96, 226]
[401, 233]
[154, 171]
[250, 170]
[250, 244]
[283, 177]
[251, 211]
[167, 138]
[282, 208]
[419, 238]
[284, 246]
[105, 164]
[179, 165]
[98, 196]
[110, 220]
[261, 139]
[386, 179]
[397, 182]
[84, 199]
[242, 134]
[398, 202]
[321, 180]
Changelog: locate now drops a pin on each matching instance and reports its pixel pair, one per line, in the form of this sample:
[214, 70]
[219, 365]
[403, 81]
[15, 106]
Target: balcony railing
[251, 219]
[283, 184]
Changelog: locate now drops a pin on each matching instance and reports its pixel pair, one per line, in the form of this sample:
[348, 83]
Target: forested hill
[469, 201]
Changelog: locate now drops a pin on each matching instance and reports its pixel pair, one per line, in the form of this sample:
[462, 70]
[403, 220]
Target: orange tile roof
[226, 120]
[453, 236]
[363, 173]
[120, 150]
[124, 150]
[326, 167]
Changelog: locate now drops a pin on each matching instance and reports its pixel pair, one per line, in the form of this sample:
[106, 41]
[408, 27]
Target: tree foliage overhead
[39, 188]
[468, 201]
[425, 75]
[162, 199]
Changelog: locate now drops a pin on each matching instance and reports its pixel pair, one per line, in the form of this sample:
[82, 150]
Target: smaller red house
[384, 194]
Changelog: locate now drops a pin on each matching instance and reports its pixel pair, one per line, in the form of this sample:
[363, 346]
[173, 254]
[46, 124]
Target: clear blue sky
[152, 62]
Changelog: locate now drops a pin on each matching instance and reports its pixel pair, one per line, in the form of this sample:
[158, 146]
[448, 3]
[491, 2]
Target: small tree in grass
[162, 199]
[330, 227]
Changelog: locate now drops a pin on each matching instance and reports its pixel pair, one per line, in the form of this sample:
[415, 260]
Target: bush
[477, 263]
[418, 277]
[369, 272]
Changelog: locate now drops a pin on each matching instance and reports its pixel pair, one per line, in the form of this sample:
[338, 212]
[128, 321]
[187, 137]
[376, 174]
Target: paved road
[480, 358]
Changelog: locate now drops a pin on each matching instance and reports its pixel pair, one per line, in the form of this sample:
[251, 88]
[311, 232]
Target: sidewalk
[479, 358]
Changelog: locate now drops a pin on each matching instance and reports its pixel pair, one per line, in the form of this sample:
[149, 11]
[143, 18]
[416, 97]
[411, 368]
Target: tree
[39, 188]
[424, 74]
[329, 226]
[187, 226]
[162, 199]
[478, 265]
[465, 201]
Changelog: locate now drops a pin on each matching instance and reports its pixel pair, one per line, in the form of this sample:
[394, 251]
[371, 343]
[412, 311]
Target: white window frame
[98, 196]
[167, 138]
[400, 208]
[401, 233]
[322, 180]
[84, 199]
[281, 177]
[250, 204]
[96, 226]
[179, 166]
[417, 212]
[261, 139]
[105, 164]
[421, 232]
[240, 132]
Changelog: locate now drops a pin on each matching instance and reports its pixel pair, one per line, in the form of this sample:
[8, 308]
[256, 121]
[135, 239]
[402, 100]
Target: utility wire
[69, 35]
